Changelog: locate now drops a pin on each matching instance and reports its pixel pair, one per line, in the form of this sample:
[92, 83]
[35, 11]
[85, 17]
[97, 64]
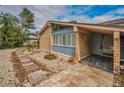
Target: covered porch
[101, 47]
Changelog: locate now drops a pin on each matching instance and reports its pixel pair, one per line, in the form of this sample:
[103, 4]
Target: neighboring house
[32, 38]
[79, 40]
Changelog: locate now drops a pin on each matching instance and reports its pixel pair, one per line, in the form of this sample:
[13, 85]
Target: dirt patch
[20, 71]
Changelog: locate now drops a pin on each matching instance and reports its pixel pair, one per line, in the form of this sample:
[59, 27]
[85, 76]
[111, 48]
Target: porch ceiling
[101, 29]
[96, 30]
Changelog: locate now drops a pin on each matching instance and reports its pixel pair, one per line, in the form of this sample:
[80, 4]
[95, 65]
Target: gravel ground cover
[7, 72]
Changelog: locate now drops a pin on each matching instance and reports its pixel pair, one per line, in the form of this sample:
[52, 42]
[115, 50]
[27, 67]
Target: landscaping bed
[55, 63]
[20, 71]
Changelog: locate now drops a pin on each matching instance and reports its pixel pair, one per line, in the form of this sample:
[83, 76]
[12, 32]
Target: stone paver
[80, 76]
[21, 55]
[22, 58]
[25, 60]
[31, 68]
[36, 76]
[27, 63]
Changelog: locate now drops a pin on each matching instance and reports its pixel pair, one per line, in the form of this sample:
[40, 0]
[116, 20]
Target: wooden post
[116, 64]
[77, 44]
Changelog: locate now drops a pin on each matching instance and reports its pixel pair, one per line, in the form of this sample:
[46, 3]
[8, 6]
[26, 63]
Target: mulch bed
[20, 71]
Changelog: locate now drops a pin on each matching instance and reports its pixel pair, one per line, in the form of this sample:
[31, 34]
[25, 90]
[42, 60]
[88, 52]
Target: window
[70, 40]
[73, 40]
[60, 40]
[64, 40]
[55, 42]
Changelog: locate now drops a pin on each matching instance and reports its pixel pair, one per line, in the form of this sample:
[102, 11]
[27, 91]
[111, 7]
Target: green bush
[33, 46]
[50, 56]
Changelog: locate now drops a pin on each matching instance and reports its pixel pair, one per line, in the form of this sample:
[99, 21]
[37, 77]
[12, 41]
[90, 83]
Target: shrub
[50, 56]
[33, 46]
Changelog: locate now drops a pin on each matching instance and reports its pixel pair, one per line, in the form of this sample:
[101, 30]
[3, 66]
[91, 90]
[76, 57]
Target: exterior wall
[63, 49]
[95, 43]
[122, 48]
[44, 41]
[84, 38]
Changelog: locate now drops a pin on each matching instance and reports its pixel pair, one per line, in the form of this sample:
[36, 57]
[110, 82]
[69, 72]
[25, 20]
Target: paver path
[34, 73]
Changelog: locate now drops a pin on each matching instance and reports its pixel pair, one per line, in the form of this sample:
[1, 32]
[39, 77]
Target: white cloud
[44, 13]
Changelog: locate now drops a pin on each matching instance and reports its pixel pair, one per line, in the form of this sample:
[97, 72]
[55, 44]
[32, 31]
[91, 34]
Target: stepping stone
[25, 60]
[31, 68]
[26, 64]
[21, 56]
[36, 76]
[27, 85]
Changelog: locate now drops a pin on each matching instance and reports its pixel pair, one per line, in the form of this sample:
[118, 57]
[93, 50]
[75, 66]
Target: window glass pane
[57, 40]
[68, 39]
[73, 39]
[64, 40]
[53, 39]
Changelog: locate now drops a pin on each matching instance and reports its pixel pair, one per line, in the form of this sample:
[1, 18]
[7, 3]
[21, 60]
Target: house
[80, 40]
[32, 39]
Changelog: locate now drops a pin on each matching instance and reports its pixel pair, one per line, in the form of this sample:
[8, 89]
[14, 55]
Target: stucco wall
[44, 40]
[63, 49]
[84, 39]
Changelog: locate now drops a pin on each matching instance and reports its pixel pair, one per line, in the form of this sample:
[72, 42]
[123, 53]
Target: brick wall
[45, 40]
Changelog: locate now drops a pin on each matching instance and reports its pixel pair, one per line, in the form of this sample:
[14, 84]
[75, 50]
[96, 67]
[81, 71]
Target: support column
[50, 38]
[77, 55]
[116, 64]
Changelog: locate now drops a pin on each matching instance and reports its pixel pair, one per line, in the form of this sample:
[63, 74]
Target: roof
[84, 25]
[116, 21]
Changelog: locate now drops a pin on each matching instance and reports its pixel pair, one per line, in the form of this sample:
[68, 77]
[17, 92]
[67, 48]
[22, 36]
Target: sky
[79, 13]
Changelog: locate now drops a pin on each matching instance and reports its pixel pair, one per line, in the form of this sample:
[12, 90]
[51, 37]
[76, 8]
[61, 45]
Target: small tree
[14, 30]
[11, 34]
[27, 19]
